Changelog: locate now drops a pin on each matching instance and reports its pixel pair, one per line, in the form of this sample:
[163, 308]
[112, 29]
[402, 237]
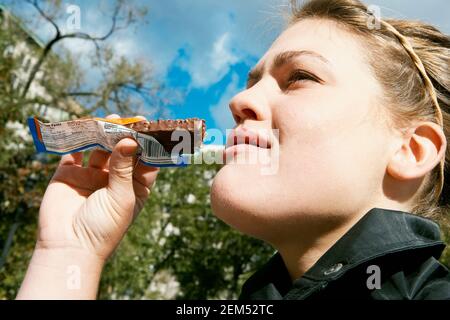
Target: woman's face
[314, 87]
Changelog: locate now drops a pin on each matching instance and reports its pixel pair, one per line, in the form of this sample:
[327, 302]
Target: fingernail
[128, 151]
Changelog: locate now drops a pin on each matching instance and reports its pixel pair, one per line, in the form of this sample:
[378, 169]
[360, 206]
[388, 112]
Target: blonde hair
[411, 60]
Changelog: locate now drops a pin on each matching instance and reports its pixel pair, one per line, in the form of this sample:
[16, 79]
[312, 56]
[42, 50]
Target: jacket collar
[379, 233]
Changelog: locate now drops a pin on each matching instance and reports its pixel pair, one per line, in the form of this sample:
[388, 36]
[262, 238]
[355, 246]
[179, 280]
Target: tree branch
[58, 37]
[80, 94]
[85, 36]
[45, 16]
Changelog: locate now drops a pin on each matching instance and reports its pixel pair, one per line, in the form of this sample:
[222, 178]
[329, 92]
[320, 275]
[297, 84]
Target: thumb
[121, 165]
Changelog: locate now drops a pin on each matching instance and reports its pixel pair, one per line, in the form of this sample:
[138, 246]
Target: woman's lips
[241, 135]
[244, 140]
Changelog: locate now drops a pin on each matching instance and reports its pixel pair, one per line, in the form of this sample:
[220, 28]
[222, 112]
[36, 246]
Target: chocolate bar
[162, 131]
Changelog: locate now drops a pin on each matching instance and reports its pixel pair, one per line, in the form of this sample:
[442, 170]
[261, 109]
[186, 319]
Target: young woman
[361, 106]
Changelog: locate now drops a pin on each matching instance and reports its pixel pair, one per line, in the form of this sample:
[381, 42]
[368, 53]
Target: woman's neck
[300, 254]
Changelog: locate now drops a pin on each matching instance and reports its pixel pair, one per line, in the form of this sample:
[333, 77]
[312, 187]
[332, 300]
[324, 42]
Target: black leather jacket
[399, 248]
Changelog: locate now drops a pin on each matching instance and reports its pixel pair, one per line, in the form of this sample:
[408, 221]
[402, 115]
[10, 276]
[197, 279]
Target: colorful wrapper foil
[84, 134]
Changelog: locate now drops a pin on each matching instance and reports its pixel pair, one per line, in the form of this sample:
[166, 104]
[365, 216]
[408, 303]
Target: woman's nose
[250, 104]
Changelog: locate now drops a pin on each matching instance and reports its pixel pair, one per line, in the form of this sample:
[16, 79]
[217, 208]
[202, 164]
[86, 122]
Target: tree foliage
[177, 239]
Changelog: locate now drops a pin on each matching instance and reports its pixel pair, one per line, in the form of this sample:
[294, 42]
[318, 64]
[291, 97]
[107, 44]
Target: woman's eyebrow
[282, 59]
[287, 56]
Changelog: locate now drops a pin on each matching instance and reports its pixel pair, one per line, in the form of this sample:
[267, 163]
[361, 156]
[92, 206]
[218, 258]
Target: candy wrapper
[161, 143]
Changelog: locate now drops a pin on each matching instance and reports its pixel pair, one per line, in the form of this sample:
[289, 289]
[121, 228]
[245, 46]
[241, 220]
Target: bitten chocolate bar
[162, 142]
[165, 132]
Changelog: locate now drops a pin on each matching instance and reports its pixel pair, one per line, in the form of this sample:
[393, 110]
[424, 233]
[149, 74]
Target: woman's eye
[300, 76]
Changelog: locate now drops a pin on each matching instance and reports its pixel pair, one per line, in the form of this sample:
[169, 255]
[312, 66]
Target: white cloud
[125, 46]
[78, 47]
[216, 65]
[251, 26]
[214, 34]
[220, 111]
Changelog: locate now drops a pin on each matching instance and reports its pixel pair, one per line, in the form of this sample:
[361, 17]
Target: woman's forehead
[322, 38]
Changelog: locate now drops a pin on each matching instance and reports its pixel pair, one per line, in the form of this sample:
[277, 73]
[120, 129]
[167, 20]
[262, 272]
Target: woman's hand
[83, 216]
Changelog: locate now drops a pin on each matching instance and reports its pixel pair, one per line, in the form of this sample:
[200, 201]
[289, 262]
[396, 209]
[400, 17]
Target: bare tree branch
[85, 36]
[58, 37]
[45, 16]
[81, 94]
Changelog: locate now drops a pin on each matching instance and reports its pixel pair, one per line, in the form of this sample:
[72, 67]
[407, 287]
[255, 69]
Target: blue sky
[205, 48]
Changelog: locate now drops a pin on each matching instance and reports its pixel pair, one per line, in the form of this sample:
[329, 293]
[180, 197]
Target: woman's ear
[419, 153]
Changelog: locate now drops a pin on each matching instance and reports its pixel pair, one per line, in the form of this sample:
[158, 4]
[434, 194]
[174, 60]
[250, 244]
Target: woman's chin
[238, 200]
